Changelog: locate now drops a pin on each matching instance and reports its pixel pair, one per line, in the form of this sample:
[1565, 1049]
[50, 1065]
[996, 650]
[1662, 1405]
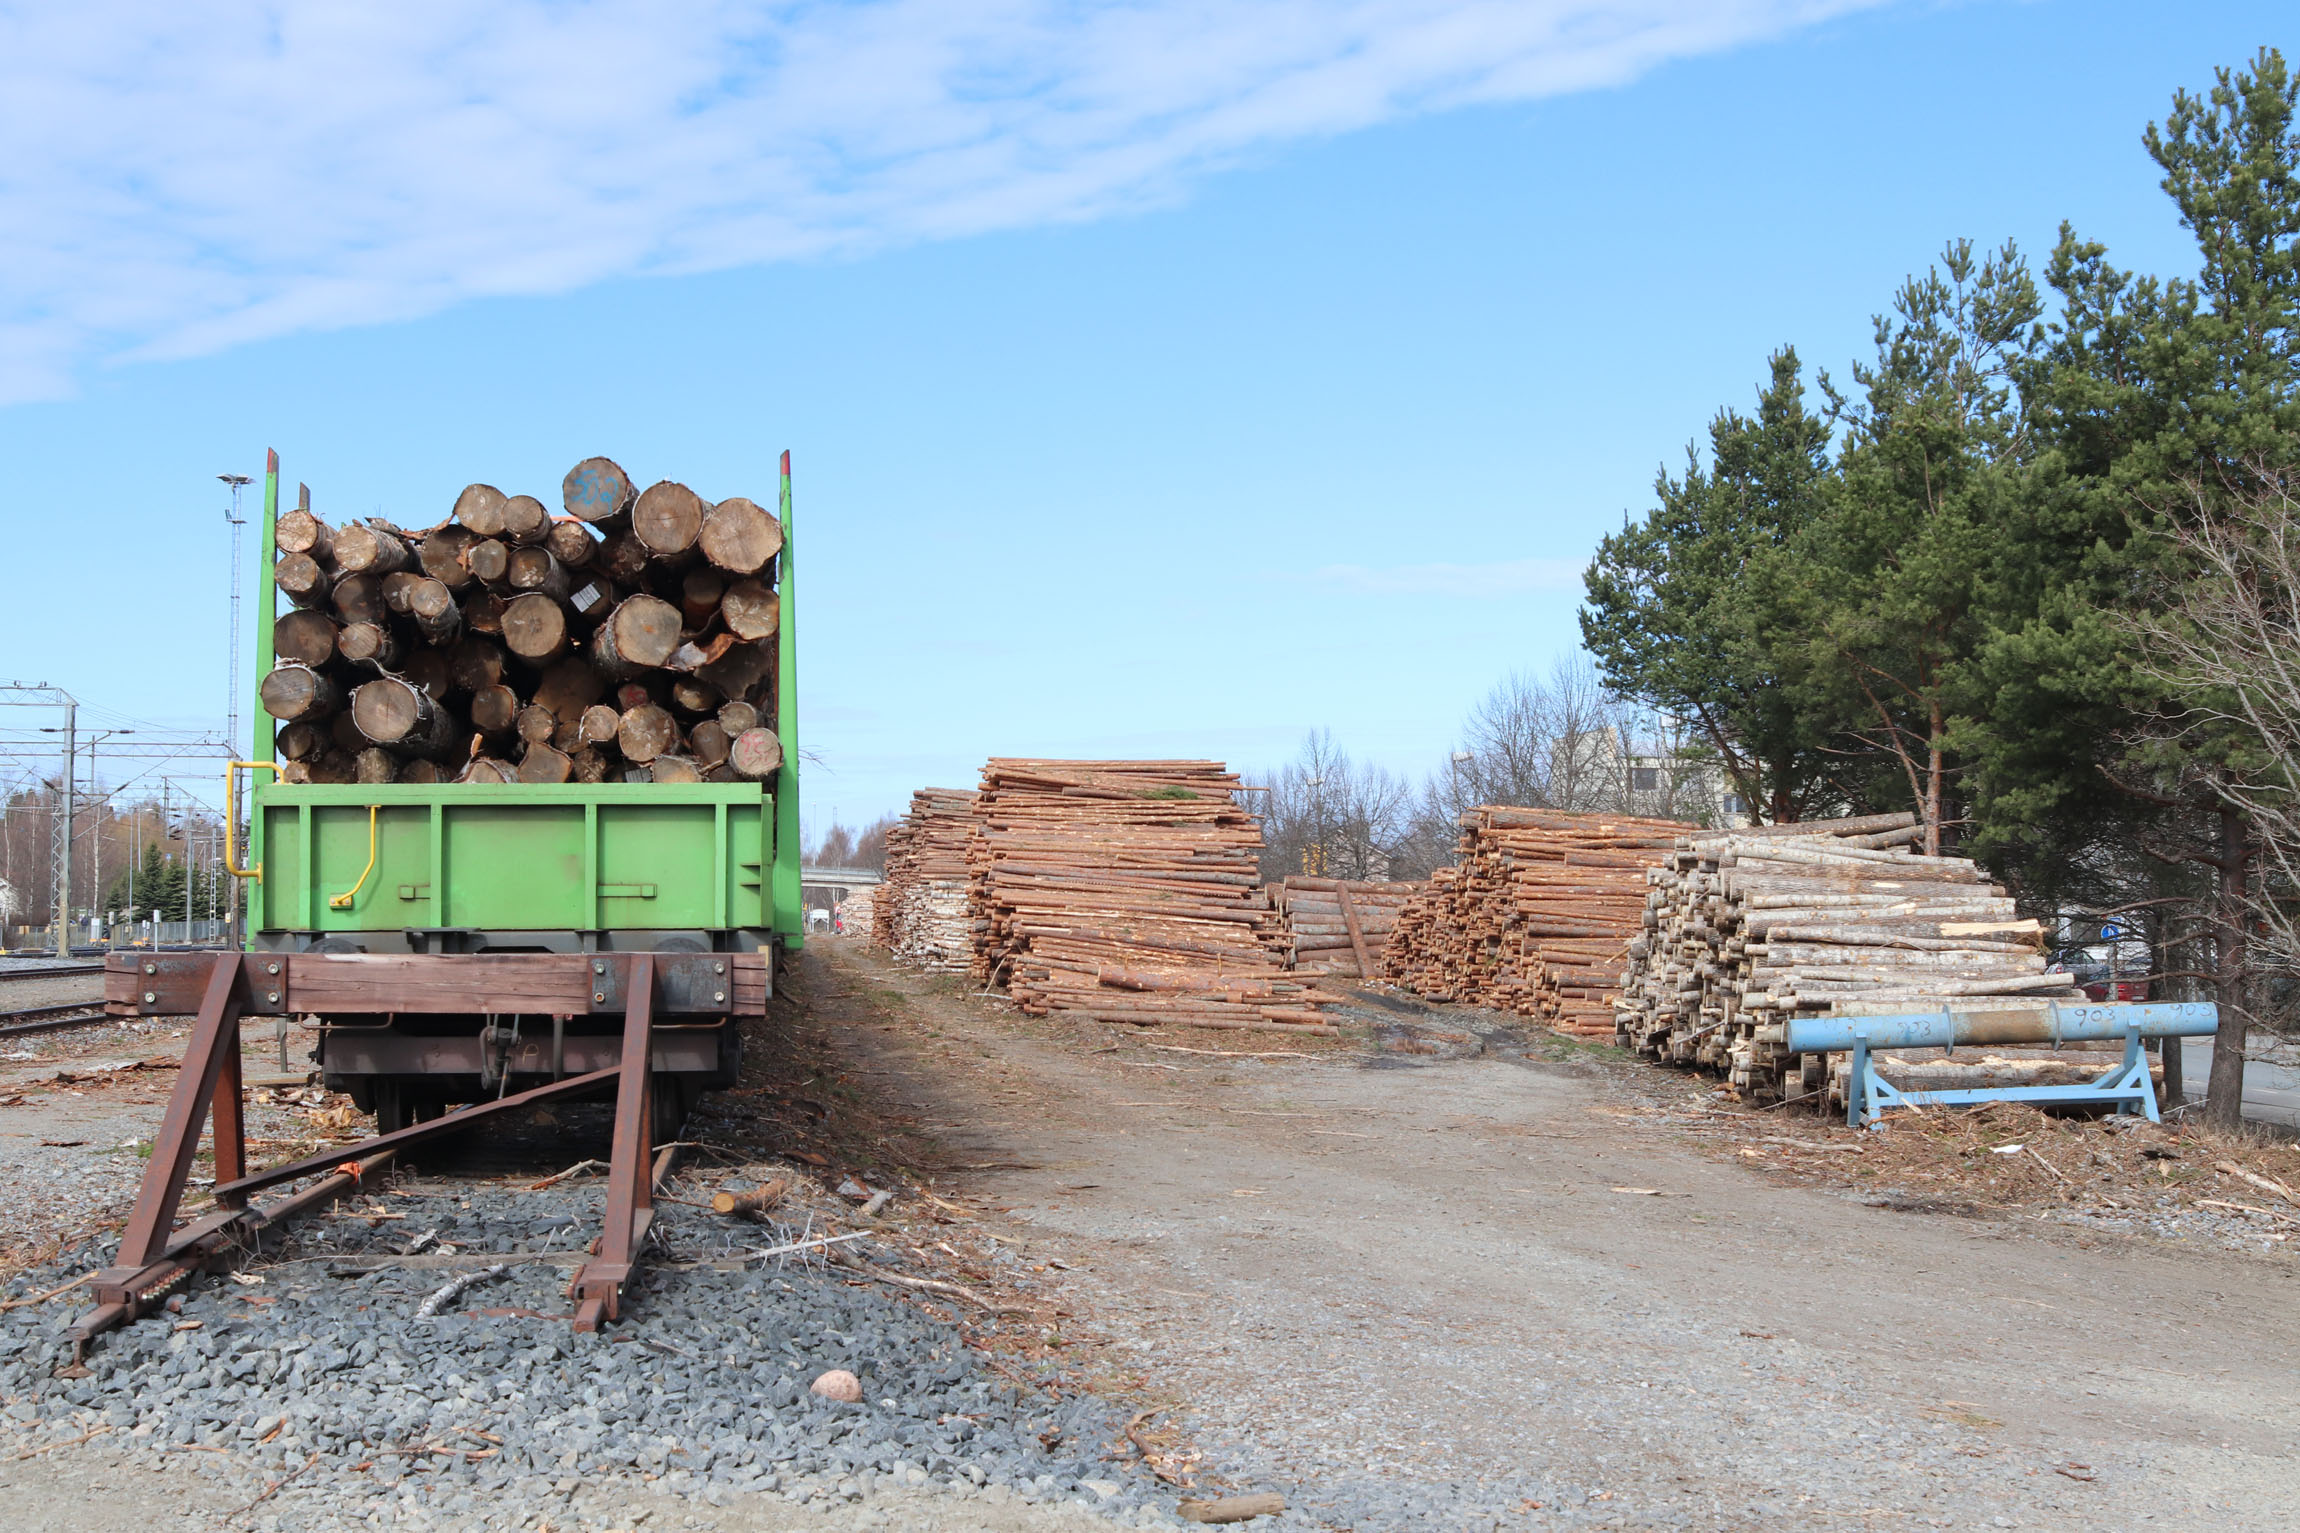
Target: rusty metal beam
[215, 1034]
[200, 1243]
[153, 1255]
[415, 1133]
[125, 1288]
[437, 984]
[353, 1051]
[598, 1285]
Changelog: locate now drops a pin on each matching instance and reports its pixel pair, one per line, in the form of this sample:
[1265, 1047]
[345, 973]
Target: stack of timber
[1746, 928]
[858, 913]
[632, 639]
[1340, 926]
[922, 914]
[1128, 891]
[1535, 916]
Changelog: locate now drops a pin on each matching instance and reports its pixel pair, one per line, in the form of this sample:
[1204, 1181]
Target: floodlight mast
[238, 482]
[237, 521]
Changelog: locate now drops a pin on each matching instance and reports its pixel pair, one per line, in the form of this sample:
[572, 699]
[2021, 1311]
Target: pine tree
[1673, 621]
[2154, 400]
[1889, 577]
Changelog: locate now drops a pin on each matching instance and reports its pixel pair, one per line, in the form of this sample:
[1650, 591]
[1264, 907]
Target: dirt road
[1497, 1291]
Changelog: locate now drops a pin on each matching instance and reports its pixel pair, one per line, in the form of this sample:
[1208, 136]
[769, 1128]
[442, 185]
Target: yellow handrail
[343, 901]
[232, 815]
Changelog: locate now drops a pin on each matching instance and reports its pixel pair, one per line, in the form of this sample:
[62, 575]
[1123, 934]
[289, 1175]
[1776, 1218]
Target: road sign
[2110, 931]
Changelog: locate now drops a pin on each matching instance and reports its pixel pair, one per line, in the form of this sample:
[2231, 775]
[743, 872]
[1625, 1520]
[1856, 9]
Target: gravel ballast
[323, 1371]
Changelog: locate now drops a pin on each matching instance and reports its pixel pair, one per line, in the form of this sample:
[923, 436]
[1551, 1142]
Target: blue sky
[1163, 379]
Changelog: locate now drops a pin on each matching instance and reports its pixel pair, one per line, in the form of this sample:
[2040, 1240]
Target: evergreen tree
[1953, 611]
[1672, 620]
[157, 881]
[1889, 576]
[2154, 401]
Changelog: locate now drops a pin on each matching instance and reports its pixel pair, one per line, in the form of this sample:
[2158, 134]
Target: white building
[1602, 769]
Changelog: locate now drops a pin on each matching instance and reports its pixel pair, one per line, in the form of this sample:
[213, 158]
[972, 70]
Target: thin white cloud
[1508, 577]
[185, 177]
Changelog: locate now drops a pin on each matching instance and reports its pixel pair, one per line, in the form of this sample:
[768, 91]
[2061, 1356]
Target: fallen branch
[1149, 1462]
[1232, 1508]
[855, 1263]
[577, 1169]
[2247, 1208]
[807, 1245]
[1176, 1048]
[749, 1205]
[2263, 1183]
[964, 1213]
[277, 1486]
[53, 1293]
[447, 1291]
[2048, 1165]
[70, 1442]
[1814, 1144]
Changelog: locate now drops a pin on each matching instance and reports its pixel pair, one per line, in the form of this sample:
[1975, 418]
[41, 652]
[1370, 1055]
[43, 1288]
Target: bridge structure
[825, 889]
[840, 878]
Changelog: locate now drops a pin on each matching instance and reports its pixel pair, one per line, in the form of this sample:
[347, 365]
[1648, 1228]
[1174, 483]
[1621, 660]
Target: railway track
[47, 1019]
[58, 971]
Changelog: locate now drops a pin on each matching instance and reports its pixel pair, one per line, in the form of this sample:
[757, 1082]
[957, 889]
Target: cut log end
[740, 536]
[480, 509]
[294, 692]
[667, 518]
[535, 628]
[755, 754]
[596, 490]
[646, 732]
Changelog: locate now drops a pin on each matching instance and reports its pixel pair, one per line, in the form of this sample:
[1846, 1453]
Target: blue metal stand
[2127, 1088]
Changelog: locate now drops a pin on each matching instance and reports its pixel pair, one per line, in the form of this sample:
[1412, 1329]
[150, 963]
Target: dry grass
[2005, 1156]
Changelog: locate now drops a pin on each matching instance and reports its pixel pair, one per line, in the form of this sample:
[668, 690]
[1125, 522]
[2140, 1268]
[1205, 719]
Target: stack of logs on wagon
[1534, 916]
[1744, 929]
[630, 639]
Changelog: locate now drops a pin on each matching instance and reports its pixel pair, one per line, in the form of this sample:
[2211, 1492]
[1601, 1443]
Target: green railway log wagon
[388, 900]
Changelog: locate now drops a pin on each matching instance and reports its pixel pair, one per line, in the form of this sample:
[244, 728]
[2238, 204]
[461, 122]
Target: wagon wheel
[668, 1106]
[390, 1105]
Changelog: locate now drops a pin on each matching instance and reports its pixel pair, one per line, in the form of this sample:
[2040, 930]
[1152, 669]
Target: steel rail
[60, 971]
[49, 1019]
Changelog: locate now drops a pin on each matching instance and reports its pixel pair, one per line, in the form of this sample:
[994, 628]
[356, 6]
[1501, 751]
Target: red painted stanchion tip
[272, 460]
[786, 461]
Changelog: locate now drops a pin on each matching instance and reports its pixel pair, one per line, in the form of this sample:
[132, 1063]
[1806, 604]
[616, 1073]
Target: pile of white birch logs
[631, 639]
[858, 913]
[1340, 926]
[1128, 891]
[1746, 928]
[1535, 917]
[921, 915]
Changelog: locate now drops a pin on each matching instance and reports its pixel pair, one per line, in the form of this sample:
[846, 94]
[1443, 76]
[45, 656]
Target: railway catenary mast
[471, 947]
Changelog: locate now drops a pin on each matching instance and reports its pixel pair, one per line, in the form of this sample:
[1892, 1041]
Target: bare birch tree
[1559, 741]
[1331, 817]
[2227, 646]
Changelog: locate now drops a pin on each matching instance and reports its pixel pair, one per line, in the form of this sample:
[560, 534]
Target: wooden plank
[432, 984]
